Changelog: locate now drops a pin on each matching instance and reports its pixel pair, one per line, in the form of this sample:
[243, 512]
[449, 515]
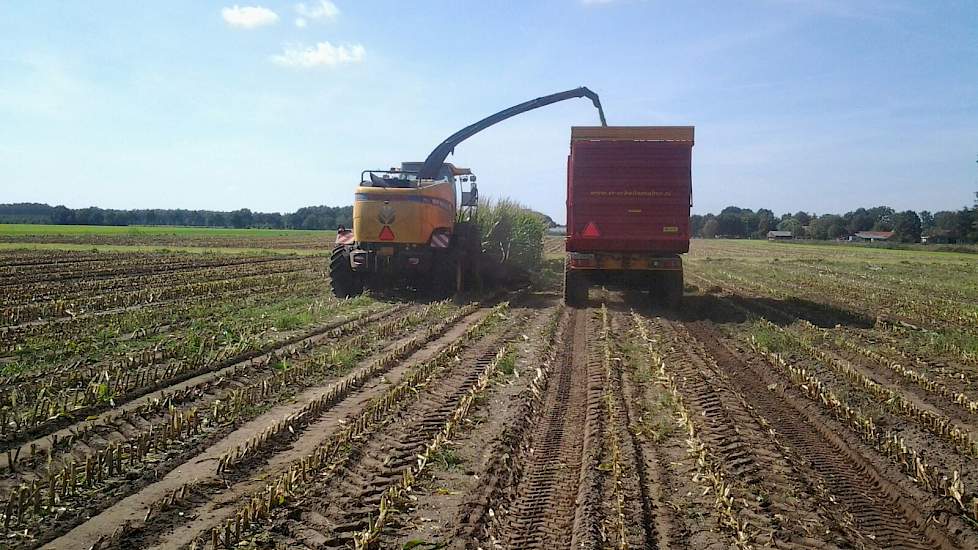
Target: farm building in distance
[871, 236]
[779, 236]
[939, 236]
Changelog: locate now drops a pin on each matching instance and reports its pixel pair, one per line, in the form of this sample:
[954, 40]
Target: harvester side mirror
[472, 178]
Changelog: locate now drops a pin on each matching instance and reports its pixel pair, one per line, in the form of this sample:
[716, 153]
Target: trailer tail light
[591, 231]
[578, 259]
[668, 263]
[386, 234]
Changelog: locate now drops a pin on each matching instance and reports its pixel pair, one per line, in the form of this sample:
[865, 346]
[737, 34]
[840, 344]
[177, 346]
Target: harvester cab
[414, 225]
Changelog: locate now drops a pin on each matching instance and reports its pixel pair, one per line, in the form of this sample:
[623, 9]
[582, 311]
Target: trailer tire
[575, 288]
[344, 281]
[668, 289]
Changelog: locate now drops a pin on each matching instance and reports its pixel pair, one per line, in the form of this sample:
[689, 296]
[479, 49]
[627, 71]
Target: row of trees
[960, 226]
[310, 217]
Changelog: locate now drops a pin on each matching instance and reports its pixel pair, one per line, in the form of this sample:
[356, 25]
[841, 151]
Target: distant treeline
[310, 217]
[960, 226]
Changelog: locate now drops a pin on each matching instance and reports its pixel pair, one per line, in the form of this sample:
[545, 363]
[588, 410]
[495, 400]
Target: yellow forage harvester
[416, 225]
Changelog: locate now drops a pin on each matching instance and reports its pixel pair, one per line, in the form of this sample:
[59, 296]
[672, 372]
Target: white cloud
[248, 17]
[324, 9]
[322, 54]
[300, 22]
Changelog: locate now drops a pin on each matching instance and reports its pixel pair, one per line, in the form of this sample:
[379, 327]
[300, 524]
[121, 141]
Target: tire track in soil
[114, 309]
[657, 521]
[949, 364]
[168, 322]
[879, 508]
[454, 500]
[480, 507]
[29, 294]
[214, 500]
[116, 427]
[42, 439]
[543, 513]
[179, 312]
[594, 495]
[69, 268]
[685, 515]
[338, 510]
[928, 399]
[922, 411]
[191, 465]
[640, 492]
[790, 509]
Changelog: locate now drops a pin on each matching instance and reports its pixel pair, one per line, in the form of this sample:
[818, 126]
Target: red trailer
[629, 192]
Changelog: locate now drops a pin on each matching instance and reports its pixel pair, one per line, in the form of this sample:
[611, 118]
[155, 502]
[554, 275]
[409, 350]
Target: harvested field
[802, 397]
[137, 238]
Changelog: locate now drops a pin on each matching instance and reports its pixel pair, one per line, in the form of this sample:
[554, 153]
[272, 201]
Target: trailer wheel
[344, 281]
[667, 289]
[575, 288]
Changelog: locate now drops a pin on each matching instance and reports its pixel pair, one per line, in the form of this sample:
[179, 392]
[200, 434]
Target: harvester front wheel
[344, 281]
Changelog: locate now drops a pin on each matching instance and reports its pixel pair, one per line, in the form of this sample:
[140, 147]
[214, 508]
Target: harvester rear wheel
[467, 245]
[441, 281]
[344, 281]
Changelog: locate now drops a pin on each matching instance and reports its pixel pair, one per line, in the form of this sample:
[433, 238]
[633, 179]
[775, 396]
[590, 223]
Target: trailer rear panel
[628, 199]
[629, 189]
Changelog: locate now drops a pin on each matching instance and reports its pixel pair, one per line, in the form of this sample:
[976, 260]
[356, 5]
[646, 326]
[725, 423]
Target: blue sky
[798, 104]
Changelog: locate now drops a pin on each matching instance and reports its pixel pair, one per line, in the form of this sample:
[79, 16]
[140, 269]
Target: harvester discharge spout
[432, 164]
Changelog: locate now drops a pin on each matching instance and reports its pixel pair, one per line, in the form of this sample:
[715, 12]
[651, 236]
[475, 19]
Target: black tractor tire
[344, 281]
[667, 289]
[467, 247]
[440, 282]
[674, 289]
[575, 288]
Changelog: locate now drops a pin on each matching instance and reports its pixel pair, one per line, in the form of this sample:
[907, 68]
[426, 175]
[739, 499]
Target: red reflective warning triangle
[590, 230]
[386, 234]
